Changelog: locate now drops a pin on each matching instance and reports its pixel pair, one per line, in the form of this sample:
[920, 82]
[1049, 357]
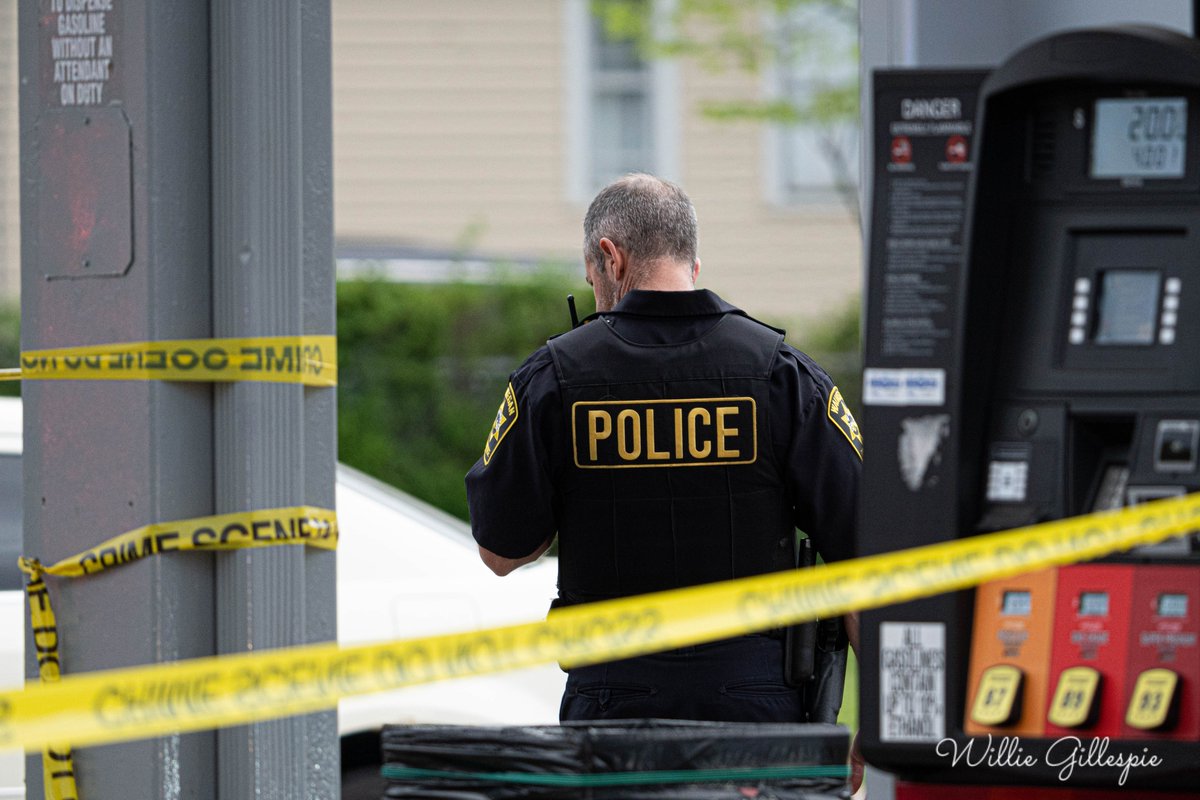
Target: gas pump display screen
[1139, 138]
[1093, 604]
[1172, 605]
[1128, 307]
[1016, 603]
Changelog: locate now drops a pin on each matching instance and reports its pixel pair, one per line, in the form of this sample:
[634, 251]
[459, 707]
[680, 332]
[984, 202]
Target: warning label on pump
[923, 140]
[912, 681]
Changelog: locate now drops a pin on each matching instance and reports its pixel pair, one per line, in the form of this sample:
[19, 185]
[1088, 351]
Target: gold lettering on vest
[599, 427]
[651, 453]
[688, 432]
[724, 432]
[679, 434]
[627, 449]
[693, 435]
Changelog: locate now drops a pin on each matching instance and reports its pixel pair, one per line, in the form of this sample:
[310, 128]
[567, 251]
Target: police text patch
[506, 417]
[843, 420]
[698, 432]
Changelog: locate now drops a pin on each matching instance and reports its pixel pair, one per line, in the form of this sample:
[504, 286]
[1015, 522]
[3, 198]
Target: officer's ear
[614, 260]
[695, 271]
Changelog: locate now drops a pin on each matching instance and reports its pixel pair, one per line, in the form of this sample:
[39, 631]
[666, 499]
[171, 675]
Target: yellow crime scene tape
[58, 763]
[236, 531]
[305, 360]
[308, 360]
[316, 527]
[118, 705]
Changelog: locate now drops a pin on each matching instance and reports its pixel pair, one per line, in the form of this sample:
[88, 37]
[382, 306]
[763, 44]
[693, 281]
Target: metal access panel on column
[1033, 353]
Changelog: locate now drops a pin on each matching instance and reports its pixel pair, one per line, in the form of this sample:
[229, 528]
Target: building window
[622, 108]
[622, 97]
[814, 161]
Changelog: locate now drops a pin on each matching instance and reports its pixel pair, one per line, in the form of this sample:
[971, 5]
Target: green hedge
[10, 346]
[422, 369]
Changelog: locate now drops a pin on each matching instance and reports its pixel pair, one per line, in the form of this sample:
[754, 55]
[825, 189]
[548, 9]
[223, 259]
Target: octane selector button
[1154, 703]
[998, 698]
[1075, 700]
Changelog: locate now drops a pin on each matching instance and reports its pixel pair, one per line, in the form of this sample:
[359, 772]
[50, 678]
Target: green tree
[814, 44]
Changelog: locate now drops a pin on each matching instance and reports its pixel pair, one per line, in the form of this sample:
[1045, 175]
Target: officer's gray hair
[647, 216]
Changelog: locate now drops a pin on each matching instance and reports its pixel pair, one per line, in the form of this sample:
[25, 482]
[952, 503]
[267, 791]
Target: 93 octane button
[1153, 700]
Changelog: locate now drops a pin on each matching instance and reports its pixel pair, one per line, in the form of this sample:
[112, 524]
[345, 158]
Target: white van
[405, 569]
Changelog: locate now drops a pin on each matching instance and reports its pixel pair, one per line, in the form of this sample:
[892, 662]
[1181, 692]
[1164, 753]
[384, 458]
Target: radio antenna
[571, 308]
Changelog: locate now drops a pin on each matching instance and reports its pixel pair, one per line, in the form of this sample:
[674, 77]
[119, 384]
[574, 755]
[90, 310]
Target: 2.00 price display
[1139, 138]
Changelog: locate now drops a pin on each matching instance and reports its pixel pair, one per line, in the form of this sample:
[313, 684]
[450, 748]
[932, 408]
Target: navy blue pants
[734, 680]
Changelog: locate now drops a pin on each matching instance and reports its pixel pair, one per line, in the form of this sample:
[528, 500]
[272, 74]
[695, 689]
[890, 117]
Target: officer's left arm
[510, 489]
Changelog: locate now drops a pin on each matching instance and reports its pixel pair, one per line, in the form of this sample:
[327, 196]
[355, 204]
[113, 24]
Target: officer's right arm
[820, 446]
[502, 566]
[510, 490]
[821, 450]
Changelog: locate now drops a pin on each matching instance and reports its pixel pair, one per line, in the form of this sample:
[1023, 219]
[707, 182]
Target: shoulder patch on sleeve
[843, 420]
[506, 417]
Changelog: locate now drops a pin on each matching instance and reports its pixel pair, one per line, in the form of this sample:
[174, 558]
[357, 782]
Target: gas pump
[1033, 352]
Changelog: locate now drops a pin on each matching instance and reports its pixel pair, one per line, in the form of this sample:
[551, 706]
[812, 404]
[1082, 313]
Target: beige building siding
[10, 161]
[448, 125]
[795, 261]
[450, 129]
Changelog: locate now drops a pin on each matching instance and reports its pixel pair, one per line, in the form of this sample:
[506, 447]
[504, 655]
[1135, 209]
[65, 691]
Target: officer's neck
[666, 276]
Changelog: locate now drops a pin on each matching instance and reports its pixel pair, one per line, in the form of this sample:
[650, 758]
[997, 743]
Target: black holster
[815, 658]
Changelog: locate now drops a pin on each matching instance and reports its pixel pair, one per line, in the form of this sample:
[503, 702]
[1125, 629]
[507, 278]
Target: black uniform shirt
[511, 489]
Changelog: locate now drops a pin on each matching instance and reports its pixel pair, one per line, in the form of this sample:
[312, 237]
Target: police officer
[668, 442]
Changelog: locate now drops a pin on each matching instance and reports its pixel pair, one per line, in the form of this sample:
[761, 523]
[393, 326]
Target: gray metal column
[115, 247]
[273, 275]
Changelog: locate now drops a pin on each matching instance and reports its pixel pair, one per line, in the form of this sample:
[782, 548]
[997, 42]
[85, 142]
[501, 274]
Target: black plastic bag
[628, 759]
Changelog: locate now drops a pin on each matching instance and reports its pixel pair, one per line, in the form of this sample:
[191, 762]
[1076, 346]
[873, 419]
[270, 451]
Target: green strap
[393, 772]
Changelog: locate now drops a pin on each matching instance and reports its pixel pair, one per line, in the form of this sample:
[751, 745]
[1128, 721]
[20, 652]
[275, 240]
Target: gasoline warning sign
[912, 682]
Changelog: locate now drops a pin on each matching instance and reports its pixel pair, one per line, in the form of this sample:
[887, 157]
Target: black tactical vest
[671, 479]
